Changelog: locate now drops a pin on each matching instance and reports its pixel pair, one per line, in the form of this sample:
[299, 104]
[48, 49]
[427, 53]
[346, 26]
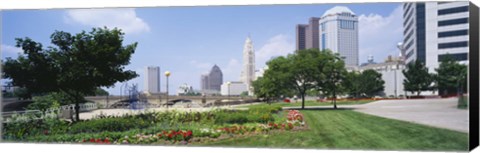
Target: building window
[347, 24]
[408, 36]
[420, 32]
[452, 22]
[409, 44]
[456, 57]
[453, 10]
[453, 45]
[408, 27]
[453, 33]
[409, 54]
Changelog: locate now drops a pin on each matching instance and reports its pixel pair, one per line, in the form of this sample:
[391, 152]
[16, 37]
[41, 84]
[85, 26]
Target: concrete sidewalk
[442, 113]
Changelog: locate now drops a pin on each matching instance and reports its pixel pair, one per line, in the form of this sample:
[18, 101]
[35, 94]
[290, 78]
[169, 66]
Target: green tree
[76, 65]
[51, 100]
[417, 78]
[333, 75]
[451, 76]
[304, 69]
[353, 84]
[274, 82]
[372, 82]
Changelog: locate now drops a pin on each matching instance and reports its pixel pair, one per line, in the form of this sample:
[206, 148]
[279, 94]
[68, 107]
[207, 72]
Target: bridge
[106, 101]
[13, 104]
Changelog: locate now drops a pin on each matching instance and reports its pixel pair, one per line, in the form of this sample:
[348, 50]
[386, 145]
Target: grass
[308, 103]
[345, 129]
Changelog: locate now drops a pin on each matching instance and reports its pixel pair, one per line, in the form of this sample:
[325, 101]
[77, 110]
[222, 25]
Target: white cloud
[10, 49]
[125, 19]
[232, 71]
[379, 35]
[278, 45]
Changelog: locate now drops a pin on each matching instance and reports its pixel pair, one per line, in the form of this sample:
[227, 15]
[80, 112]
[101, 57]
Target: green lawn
[309, 103]
[345, 129]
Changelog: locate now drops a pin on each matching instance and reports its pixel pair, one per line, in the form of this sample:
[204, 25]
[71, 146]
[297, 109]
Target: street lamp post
[167, 74]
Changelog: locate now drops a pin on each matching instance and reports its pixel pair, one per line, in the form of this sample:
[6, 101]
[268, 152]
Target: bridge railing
[65, 111]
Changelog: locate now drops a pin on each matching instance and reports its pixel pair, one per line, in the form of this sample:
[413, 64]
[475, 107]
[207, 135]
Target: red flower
[84, 140]
[189, 133]
[290, 125]
[92, 140]
[106, 140]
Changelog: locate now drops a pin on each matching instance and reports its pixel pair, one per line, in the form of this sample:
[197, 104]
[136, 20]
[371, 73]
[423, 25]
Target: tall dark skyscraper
[301, 36]
[213, 80]
[307, 34]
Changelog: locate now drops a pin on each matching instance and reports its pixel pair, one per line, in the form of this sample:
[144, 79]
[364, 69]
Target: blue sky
[188, 40]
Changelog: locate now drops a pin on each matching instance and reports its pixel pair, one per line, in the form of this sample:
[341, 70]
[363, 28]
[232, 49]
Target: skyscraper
[339, 33]
[248, 72]
[301, 44]
[215, 78]
[307, 34]
[204, 82]
[433, 29]
[152, 80]
[311, 33]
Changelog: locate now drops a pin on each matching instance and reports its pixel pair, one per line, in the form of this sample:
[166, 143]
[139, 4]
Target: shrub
[108, 124]
[21, 126]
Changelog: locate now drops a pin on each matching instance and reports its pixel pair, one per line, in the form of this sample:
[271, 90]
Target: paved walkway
[442, 113]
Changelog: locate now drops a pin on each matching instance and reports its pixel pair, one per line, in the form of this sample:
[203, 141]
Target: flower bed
[168, 127]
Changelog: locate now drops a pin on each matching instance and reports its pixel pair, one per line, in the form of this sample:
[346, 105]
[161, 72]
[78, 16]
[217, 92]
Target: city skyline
[189, 51]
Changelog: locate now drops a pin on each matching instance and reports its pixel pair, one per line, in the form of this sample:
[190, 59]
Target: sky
[188, 41]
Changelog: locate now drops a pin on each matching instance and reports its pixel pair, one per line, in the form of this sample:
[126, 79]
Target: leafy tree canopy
[417, 78]
[451, 76]
[76, 65]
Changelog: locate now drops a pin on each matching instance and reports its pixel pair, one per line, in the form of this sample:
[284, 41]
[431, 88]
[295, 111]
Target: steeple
[248, 71]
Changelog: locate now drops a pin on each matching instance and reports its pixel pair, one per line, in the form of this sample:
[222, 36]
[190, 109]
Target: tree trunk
[303, 100]
[334, 100]
[77, 107]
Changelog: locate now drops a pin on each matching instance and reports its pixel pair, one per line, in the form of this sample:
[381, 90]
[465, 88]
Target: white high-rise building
[433, 29]
[248, 72]
[339, 33]
[152, 80]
